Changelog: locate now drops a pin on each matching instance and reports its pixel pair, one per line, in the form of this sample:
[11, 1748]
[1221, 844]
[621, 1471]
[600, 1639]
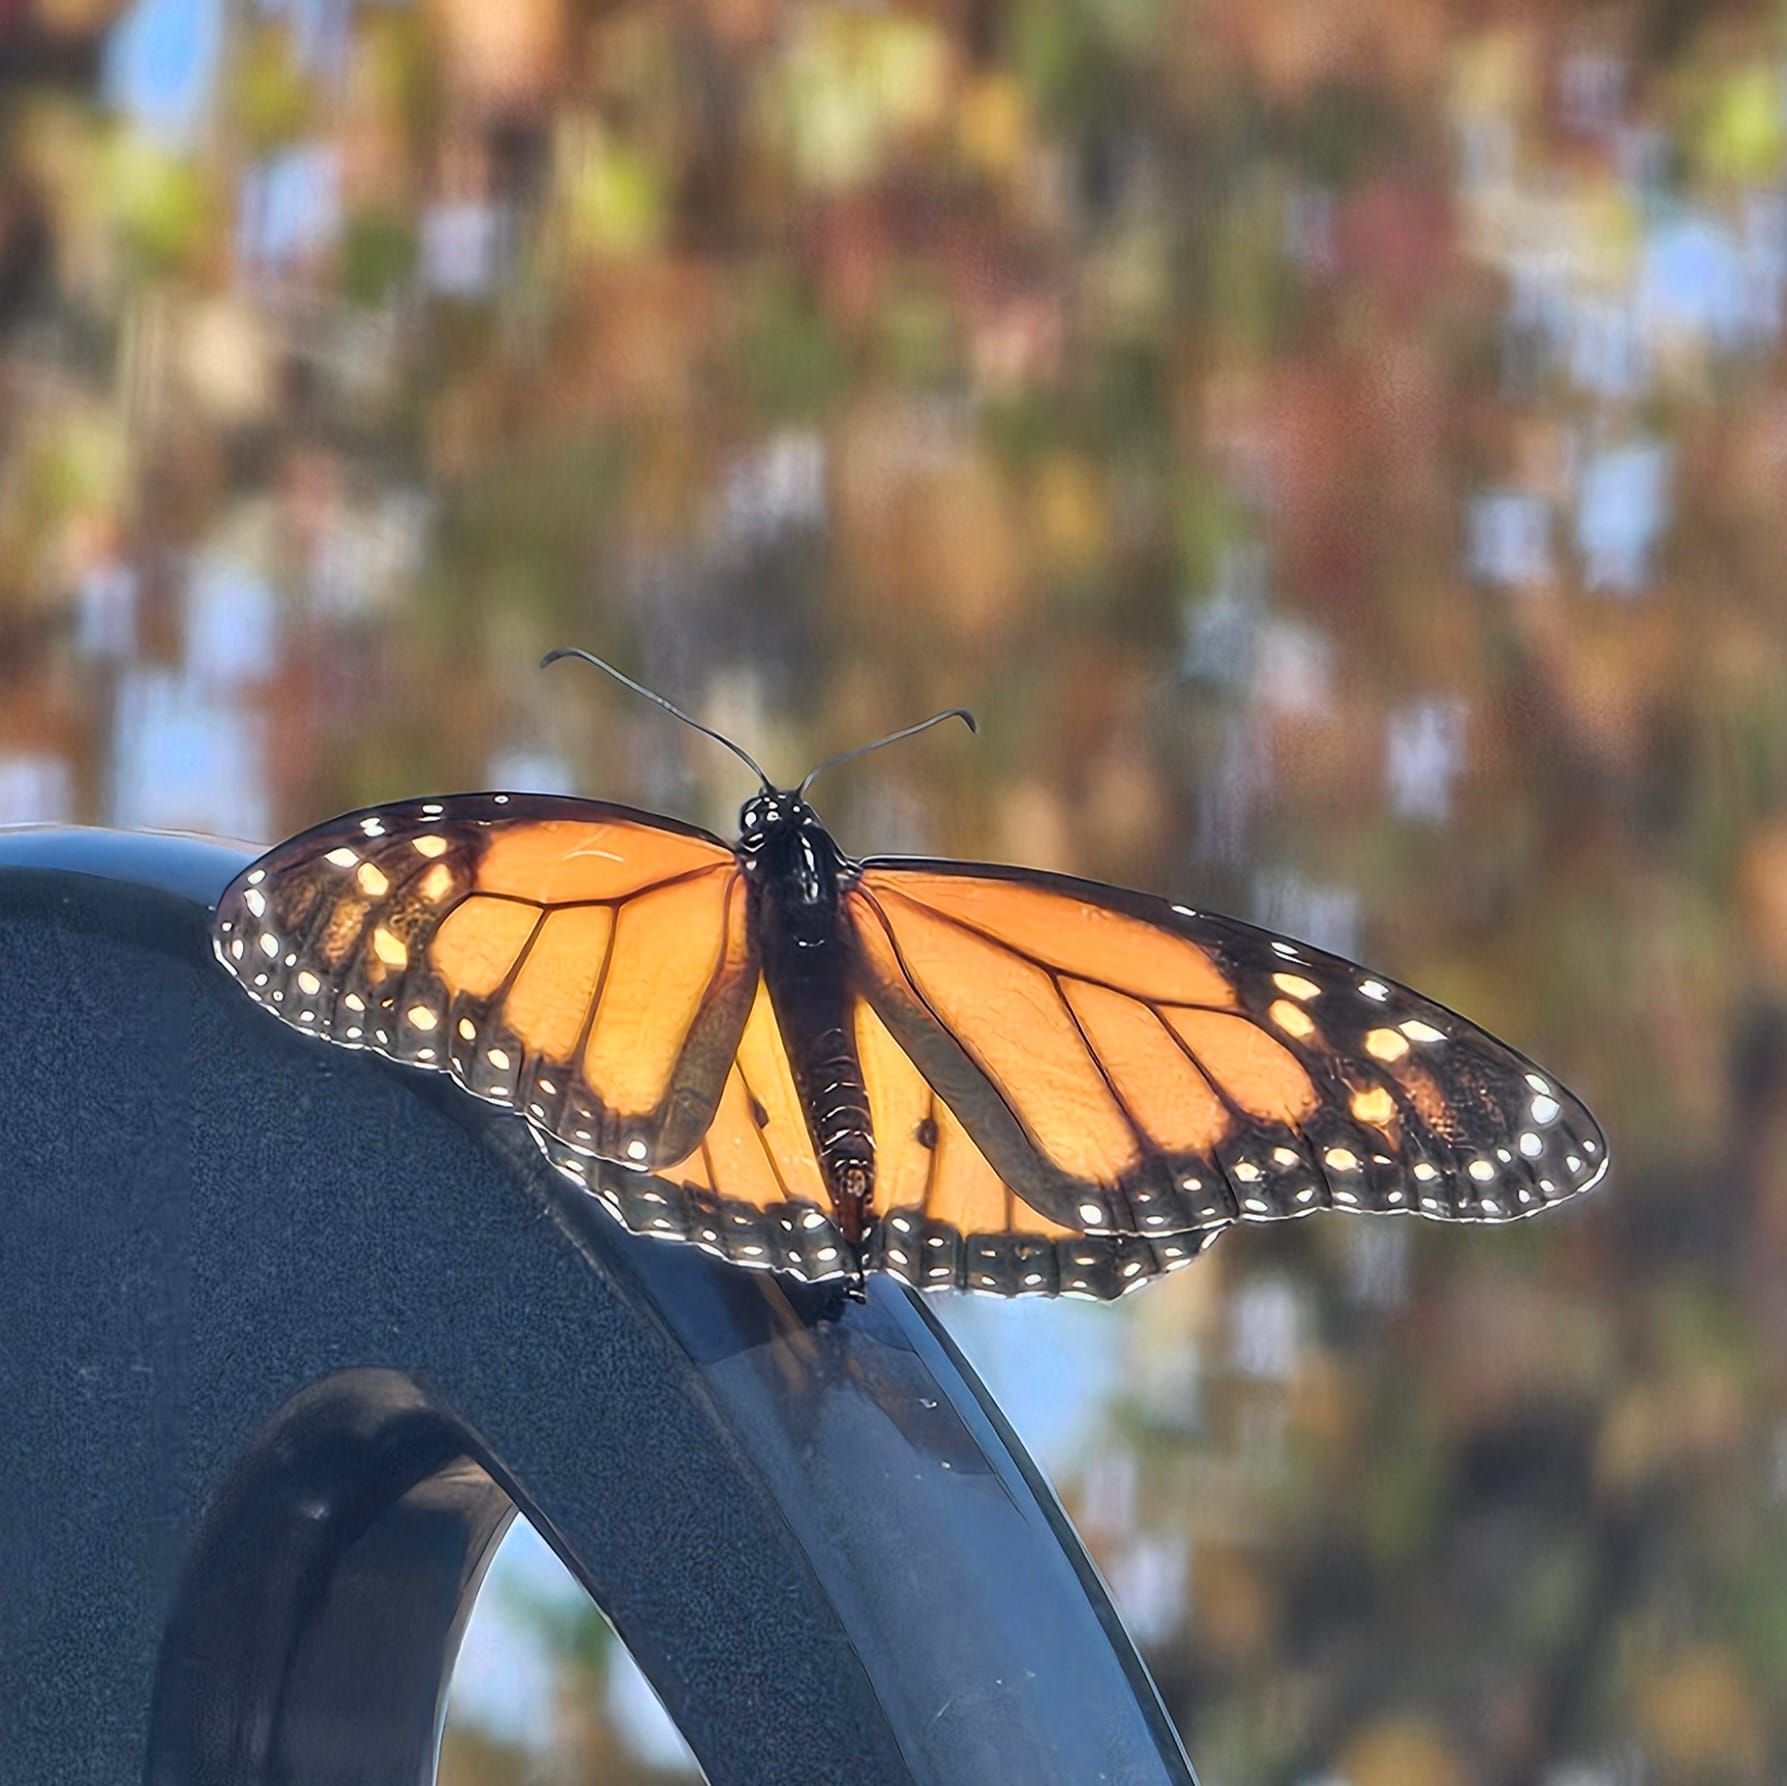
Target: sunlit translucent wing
[1128, 1066]
[753, 1193]
[584, 964]
[750, 1189]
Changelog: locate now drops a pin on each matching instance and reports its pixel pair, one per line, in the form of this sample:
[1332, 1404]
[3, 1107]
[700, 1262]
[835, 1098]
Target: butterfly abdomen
[808, 989]
[840, 1107]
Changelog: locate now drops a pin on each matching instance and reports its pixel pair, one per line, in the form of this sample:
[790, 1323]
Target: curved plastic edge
[805, 1516]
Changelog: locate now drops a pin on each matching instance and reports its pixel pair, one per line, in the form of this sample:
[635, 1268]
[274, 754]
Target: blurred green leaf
[378, 256]
[163, 206]
[270, 96]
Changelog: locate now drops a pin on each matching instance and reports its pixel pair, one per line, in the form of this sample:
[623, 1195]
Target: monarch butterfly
[964, 1075]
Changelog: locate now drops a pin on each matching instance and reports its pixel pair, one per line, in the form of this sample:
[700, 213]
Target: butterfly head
[772, 816]
[787, 851]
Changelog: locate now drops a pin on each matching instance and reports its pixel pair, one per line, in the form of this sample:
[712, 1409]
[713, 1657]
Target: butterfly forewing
[1134, 1067]
[584, 964]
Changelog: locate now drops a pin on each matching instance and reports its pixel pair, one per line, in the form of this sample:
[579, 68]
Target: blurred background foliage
[1339, 448]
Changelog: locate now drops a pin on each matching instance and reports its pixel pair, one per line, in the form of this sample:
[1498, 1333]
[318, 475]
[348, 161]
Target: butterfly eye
[760, 815]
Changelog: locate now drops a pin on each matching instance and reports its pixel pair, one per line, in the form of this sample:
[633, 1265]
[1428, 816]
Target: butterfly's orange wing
[1132, 1067]
[584, 964]
[750, 1189]
[753, 1191]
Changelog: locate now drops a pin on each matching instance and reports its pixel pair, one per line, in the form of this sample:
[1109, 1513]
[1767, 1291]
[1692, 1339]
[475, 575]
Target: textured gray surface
[804, 1516]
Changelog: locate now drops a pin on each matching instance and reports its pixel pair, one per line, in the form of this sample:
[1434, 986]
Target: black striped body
[795, 873]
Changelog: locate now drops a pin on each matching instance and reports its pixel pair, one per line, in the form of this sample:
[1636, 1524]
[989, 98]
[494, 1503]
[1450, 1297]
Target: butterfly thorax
[796, 874]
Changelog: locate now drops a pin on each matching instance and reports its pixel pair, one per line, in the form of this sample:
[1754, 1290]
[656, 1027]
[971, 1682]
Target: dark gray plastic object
[286, 1336]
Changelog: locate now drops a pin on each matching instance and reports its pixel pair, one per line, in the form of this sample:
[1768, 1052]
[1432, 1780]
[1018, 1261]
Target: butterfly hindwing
[948, 1220]
[585, 964]
[751, 1189]
[1133, 1067]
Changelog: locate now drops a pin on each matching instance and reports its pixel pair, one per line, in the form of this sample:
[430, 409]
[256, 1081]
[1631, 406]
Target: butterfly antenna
[862, 750]
[743, 756]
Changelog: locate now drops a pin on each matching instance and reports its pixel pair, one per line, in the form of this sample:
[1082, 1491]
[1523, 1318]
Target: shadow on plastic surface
[287, 1335]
